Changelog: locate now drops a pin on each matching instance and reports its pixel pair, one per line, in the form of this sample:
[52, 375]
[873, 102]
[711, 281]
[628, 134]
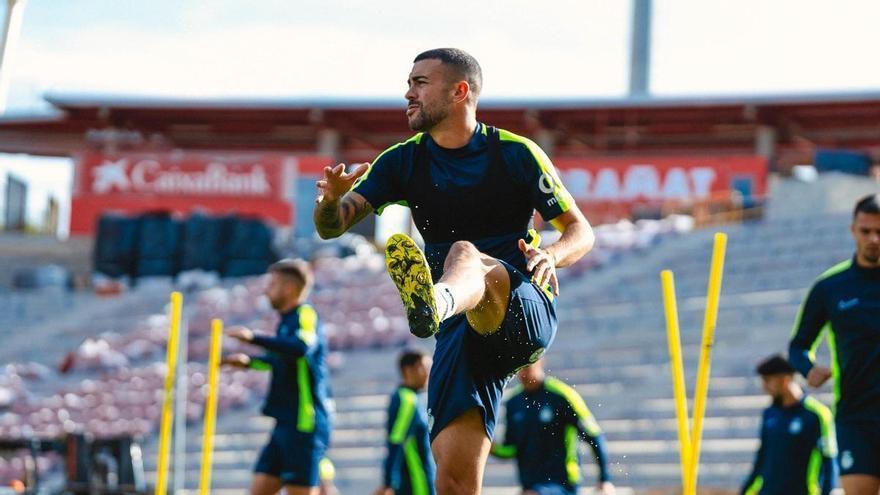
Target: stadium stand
[611, 347]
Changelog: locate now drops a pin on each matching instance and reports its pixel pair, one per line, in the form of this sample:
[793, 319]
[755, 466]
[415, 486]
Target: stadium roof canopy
[787, 128]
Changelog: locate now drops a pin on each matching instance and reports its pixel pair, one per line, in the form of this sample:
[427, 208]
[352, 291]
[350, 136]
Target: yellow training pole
[680, 392]
[211, 406]
[713, 294]
[168, 402]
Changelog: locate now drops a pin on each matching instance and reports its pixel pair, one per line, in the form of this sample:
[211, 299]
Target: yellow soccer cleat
[409, 271]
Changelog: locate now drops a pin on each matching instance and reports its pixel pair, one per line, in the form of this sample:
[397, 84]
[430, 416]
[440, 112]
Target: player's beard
[277, 304]
[871, 256]
[427, 117]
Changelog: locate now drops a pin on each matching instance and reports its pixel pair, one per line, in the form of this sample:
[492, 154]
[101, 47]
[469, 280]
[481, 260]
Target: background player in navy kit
[544, 420]
[409, 466]
[297, 398]
[798, 446]
[472, 190]
[846, 300]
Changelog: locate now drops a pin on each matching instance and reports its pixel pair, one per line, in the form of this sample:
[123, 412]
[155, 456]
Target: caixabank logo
[251, 184]
[192, 177]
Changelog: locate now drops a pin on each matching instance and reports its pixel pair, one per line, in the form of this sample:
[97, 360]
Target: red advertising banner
[256, 184]
[613, 187]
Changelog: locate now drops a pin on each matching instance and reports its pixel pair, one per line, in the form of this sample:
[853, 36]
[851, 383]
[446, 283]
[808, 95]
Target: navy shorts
[470, 370]
[293, 456]
[858, 444]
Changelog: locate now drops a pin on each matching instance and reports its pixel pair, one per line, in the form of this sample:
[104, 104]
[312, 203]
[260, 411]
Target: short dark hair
[868, 204]
[410, 357]
[463, 63]
[775, 365]
[297, 269]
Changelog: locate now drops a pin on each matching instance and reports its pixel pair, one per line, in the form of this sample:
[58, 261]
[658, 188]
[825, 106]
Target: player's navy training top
[845, 300]
[797, 451]
[409, 466]
[543, 431]
[298, 392]
[485, 192]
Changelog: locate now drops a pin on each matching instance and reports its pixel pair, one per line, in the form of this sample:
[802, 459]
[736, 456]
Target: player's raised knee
[463, 248]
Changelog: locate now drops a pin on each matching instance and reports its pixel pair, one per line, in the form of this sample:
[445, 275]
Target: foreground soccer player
[472, 190]
[409, 466]
[298, 393]
[797, 450]
[846, 299]
[545, 420]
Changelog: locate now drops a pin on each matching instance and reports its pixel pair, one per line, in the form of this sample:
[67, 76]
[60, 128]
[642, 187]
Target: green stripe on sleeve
[835, 364]
[415, 139]
[813, 469]
[834, 270]
[308, 324]
[755, 487]
[828, 441]
[305, 420]
[588, 422]
[405, 414]
[418, 479]
[504, 451]
[572, 467]
[380, 208]
[563, 198]
[259, 365]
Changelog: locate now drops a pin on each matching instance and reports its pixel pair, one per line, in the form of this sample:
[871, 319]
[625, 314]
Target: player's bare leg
[460, 451]
[860, 484]
[301, 490]
[264, 484]
[479, 285]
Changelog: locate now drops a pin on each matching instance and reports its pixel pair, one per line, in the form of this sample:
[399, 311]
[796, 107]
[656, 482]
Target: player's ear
[462, 91]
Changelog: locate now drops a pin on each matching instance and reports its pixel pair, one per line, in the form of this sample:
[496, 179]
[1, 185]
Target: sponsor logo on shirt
[546, 183]
[795, 426]
[546, 415]
[846, 459]
[845, 304]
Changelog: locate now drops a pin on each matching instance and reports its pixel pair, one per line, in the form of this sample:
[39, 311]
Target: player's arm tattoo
[354, 209]
[333, 218]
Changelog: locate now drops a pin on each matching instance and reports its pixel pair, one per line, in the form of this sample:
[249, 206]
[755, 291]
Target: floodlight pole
[640, 49]
[11, 29]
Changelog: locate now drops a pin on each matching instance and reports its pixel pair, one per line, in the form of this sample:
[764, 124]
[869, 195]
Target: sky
[555, 48]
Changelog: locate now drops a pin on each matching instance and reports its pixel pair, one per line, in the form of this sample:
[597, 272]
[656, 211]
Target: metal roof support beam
[765, 141]
[640, 49]
[11, 29]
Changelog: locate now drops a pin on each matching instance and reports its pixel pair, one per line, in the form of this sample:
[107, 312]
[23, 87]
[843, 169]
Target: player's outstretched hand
[243, 334]
[383, 490]
[237, 360]
[817, 376]
[542, 265]
[337, 181]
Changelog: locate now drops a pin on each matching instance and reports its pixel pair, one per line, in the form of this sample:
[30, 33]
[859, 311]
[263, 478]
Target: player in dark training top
[797, 450]
[845, 300]
[409, 465]
[484, 286]
[298, 392]
[546, 420]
